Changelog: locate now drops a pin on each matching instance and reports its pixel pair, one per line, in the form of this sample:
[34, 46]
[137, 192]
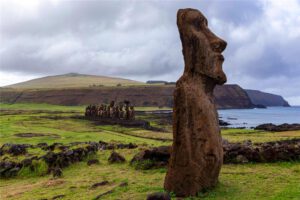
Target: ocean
[253, 117]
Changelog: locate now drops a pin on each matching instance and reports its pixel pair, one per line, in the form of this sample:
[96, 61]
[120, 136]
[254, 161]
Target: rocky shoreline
[278, 128]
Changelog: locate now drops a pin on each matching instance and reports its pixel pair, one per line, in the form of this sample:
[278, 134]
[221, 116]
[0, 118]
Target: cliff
[227, 96]
[232, 96]
[266, 99]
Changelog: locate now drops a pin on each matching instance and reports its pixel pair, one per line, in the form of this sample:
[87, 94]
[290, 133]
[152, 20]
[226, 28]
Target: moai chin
[197, 153]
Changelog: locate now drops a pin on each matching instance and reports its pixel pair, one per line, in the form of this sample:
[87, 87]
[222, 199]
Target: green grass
[249, 181]
[40, 107]
[152, 108]
[73, 81]
[275, 181]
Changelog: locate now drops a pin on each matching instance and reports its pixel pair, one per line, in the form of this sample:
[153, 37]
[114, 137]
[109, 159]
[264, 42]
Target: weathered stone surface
[116, 158]
[197, 153]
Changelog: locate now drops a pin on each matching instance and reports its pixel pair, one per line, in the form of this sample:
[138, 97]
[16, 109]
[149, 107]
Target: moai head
[112, 103]
[201, 48]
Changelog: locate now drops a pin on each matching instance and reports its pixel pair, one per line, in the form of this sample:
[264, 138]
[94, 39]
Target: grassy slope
[73, 81]
[248, 181]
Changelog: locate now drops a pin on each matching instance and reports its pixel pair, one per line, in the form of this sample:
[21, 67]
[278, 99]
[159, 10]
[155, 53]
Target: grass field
[56, 123]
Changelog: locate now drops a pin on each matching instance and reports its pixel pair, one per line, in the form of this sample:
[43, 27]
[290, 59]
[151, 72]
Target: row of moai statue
[120, 111]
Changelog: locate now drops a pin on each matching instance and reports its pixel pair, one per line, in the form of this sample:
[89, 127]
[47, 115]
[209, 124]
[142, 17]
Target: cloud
[139, 39]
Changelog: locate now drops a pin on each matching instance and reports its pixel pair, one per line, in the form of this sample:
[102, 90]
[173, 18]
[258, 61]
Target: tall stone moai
[197, 153]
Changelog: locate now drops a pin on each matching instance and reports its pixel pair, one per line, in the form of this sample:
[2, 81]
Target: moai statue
[101, 111]
[197, 153]
[117, 112]
[132, 114]
[86, 111]
[94, 111]
[127, 112]
[105, 111]
[112, 104]
[121, 112]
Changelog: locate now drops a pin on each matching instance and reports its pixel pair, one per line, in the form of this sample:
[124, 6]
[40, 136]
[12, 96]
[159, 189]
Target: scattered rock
[103, 194]
[9, 168]
[105, 145]
[116, 158]
[123, 184]
[15, 149]
[277, 128]
[58, 196]
[159, 196]
[223, 123]
[241, 159]
[93, 162]
[57, 172]
[99, 184]
[152, 158]
[42, 145]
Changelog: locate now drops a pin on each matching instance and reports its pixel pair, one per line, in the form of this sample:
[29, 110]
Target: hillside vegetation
[73, 80]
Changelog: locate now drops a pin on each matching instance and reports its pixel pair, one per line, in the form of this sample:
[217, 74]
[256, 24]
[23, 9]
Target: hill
[227, 96]
[72, 80]
[266, 99]
[80, 89]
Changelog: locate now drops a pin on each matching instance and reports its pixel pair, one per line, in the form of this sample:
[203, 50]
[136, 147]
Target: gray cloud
[139, 39]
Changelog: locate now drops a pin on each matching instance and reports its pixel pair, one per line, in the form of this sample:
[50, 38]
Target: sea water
[253, 117]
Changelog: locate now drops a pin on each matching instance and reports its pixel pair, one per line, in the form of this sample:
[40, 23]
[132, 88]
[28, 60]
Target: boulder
[92, 162]
[116, 158]
[152, 158]
[159, 196]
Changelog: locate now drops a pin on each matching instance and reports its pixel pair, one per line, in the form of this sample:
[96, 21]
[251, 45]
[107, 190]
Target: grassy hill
[73, 80]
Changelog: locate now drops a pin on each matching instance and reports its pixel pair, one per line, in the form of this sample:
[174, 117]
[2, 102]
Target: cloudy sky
[139, 40]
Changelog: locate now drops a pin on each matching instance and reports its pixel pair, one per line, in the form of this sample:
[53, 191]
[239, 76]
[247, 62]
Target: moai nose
[218, 45]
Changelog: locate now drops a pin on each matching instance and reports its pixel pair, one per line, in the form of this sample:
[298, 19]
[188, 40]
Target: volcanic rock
[116, 158]
[159, 196]
[99, 184]
[197, 153]
[92, 162]
[57, 172]
[152, 158]
[278, 128]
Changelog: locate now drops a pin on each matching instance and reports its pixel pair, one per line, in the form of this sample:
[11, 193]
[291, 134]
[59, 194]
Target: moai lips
[197, 153]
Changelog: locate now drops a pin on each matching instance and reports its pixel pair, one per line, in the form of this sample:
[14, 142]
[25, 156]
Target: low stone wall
[66, 155]
[286, 150]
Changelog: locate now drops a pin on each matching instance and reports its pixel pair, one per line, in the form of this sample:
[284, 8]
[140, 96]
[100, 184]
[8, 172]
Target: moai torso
[197, 153]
